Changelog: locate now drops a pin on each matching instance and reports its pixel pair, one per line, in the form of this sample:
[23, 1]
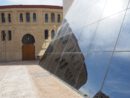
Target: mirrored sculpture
[91, 50]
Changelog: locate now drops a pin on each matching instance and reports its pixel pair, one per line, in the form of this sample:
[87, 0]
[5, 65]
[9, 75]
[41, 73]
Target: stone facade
[11, 43]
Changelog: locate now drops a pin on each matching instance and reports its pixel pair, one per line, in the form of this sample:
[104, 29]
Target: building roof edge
[31, 6]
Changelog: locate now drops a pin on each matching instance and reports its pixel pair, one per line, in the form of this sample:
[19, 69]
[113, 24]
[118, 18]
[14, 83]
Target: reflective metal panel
[118, 79]
[101, 36]
[64, 58]
[85, 12]
[72, 69]
[91, 50]
[107, 33]
[97, 64]
[114, 7]
[124, 39]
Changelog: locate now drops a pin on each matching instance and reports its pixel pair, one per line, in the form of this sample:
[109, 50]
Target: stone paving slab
[29, 80]
[16, 83]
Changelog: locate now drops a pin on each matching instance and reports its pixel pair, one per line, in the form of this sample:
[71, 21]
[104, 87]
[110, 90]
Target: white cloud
[39, 2]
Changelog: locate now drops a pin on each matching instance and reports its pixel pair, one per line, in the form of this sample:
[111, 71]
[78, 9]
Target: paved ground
[29, 80]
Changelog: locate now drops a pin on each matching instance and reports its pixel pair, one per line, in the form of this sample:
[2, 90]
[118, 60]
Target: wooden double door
[28, 52]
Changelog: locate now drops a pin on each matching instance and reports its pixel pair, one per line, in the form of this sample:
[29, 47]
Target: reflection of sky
[125, 35]
[117, 83]
[96, 66]
[96, 36]
[99, 39]
[114, 6]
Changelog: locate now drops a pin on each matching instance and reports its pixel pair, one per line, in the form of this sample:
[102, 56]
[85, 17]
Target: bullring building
[26, 30]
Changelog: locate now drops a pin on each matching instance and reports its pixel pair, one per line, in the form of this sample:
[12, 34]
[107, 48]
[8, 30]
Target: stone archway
[28, 47]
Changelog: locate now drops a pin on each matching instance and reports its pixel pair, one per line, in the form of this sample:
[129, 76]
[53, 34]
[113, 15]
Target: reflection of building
[100, 95]
[102, 30]
[25, 30]
[64, 58]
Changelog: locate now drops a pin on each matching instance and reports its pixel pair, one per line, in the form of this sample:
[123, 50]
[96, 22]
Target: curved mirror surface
[91, 49]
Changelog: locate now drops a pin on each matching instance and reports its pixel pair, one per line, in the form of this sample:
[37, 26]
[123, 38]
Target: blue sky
[39, 2]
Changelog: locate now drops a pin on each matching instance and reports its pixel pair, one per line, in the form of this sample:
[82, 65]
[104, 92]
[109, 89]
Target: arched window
[9, 17]
[3, 35]
[21, 17]
[46, 18]
[52, 34]
[34, 17]
[28, 39]
[58, 18]
[46, 34]
[27, 17]
[52, 17]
